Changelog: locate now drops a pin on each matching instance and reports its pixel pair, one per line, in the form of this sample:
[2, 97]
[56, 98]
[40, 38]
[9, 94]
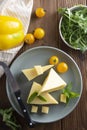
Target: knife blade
[17, 92]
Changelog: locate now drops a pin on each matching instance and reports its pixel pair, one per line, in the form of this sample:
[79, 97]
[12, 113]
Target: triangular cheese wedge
[36, 88]
[30, 73]
[52, 82]
[36, 71]
[46, 67]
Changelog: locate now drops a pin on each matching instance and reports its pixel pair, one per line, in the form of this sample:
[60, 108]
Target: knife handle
[25, 112]
[13, 83]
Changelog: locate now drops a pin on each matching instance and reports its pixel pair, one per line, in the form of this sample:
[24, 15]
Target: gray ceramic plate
[40, 56]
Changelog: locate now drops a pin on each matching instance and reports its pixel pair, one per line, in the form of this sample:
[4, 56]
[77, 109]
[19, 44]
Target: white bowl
[60, 32]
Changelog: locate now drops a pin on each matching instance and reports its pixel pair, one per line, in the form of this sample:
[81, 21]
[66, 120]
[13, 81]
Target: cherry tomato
[39, 33]
[40, 12]
[62, 67]
[29, 38]
[53, 60]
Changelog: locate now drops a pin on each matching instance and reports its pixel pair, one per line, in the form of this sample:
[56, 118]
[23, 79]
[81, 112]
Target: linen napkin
[20, 9]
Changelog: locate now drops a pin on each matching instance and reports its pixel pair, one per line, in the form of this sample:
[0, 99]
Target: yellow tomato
[40, 12]
[62, 67]
[39, 33]
[53, 60]
[11, 32]
[29, 38]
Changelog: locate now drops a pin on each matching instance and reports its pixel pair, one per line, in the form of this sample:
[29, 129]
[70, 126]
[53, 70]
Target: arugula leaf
[69, 93]
[74, 27]
[9, 119]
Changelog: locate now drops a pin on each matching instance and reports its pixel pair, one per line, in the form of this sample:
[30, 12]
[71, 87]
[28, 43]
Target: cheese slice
[30, 73]
[63, 98]
[46, 67]
[36, 71]
[34, 109]
[45, 109]
[36, 88]
[52, 82]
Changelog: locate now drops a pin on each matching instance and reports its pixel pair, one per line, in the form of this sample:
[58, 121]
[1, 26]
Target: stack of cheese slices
[51, 83]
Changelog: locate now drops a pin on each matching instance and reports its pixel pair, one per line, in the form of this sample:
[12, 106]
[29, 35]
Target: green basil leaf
[33, 96]
[69, 93]
[73, 95]
[42, 98]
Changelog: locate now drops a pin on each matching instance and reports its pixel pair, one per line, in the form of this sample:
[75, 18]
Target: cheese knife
[17, 92]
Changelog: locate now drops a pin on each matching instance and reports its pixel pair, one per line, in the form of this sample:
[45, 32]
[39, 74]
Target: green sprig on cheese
[42, 98]
[34, 95]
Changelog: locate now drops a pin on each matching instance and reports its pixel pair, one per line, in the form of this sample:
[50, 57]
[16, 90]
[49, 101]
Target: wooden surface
[76, 120]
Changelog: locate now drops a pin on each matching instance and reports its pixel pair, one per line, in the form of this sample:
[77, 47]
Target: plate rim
[59, 50]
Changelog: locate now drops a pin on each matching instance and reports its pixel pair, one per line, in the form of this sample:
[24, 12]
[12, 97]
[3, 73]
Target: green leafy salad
[74, 27]
[9, 119]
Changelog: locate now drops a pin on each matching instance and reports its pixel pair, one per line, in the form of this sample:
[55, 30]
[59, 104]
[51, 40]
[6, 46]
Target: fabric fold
[22, 10]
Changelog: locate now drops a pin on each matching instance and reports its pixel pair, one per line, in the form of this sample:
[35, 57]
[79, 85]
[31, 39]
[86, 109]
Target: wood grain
[77, 119]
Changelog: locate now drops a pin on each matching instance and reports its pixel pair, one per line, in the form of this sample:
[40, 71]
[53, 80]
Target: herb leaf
[32, 97]
[9, 119]
[73, 95]
[74, 27]
[42, 98]
[69, 93]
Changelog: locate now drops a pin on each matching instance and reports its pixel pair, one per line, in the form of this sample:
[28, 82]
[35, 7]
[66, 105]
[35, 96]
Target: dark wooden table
[77, 119]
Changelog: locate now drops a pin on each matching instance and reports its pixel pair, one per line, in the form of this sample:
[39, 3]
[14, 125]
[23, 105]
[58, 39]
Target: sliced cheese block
[36, 88]
[52, 82]
[36, 71]
[63, 98]
[30, 73]
[46, 67]
[34, 109]
[45, 109]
